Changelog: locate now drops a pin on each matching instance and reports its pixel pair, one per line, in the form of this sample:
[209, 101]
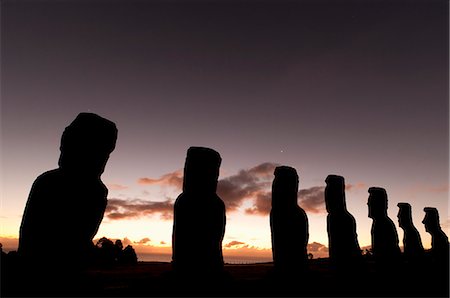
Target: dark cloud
[262, 204]
[162, 242]
[247, 184]
[236, 244]
[313, 199]
[310, 199]
[124, 209]
[253, 183]
[174, 179]
[143, 240]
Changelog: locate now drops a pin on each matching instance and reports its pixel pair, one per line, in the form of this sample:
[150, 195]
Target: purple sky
[356, 88]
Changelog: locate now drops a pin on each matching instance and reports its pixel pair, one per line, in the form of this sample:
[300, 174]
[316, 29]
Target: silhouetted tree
[118, 249]
[199, 217]
[128, 256]
[288, 223]
[106, 252]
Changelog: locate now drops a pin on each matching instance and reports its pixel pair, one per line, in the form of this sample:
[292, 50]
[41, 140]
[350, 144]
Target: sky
[354, 88]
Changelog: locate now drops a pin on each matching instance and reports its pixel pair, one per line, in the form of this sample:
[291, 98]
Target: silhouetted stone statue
[385, 247]
[65, 206]
[438, 269]
[343, 244]
[288, 223]
[199, 217]
[412, 244]
[439, 241]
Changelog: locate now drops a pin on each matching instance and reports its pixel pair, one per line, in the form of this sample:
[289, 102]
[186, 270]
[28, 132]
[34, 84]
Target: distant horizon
[164, 253]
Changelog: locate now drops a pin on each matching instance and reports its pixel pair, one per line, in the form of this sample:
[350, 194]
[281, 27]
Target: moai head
[335, 193]
[86, 144]
[404, 215]
[377, 202]
[431, 220]
[201, 170]
[284, 187]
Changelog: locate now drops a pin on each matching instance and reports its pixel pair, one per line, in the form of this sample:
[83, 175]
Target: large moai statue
[199, 217]
[412, 243]
[385, 248]
[288, 223]
[66, 205]
[344, 250]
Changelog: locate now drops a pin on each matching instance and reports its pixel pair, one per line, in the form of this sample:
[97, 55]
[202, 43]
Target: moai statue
[438, 268]
[412, 243]
[439, 241]
[384, 235]
[66, 205]
[288, 223]
[199, 217]
[343, 244]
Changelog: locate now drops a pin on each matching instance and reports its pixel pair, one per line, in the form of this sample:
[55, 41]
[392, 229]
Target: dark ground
[155, 279]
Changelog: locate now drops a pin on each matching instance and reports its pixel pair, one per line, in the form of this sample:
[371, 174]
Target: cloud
[318, 250]
[255, 184]
[426, 188]
[356, 186]
[317, 247]
[174, 179]
[252, 183]
[235, 244]
[310, 199]
[313, 199]
[9, 243]
[125, 209]
[248, 184]
[115, 186]
[439, 189]
[143, 240]
[262, 204]
[162, 243]
[126, 241]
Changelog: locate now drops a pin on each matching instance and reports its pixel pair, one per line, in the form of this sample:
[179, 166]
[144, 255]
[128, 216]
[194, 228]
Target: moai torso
[199, 216]
[288, 222]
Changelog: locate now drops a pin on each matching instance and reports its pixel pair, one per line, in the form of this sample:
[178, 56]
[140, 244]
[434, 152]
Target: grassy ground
[156, 279]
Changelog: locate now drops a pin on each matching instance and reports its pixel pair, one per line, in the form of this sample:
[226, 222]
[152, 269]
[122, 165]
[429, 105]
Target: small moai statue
[439, 240]
[438, 267]
[385, 248]
[199, 217]
[69, 202]
[412, 244]
[344, 250]
[288, 223]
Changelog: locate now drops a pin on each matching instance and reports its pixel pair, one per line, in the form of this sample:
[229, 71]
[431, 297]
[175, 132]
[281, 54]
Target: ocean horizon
[150, 257]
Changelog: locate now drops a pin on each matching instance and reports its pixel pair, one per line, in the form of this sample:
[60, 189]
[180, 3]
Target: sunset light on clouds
[348, 88]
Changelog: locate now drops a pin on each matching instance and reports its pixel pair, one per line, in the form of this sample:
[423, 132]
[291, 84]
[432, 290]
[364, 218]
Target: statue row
[70, 201]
